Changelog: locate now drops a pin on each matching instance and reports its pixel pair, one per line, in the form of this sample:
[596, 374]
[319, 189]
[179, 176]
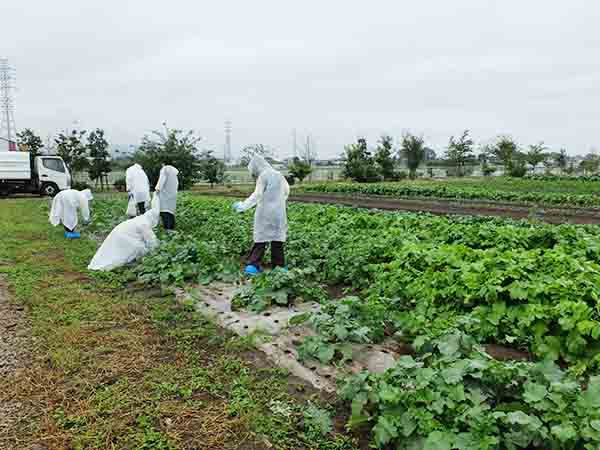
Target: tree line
[366, 165]
[88, 152]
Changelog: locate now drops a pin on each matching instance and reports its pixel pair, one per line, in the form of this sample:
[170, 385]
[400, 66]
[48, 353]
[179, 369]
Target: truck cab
[22, 173]
[53, 175]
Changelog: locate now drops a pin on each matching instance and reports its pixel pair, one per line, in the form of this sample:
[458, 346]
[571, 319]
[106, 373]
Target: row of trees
[364, 165]
[88, 152]
[80, 151]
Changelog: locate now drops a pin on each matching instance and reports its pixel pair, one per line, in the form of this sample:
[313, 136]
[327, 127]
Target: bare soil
[15, 342]
[445, 207]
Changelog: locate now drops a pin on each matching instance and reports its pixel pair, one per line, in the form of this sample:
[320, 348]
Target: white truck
[22, 173]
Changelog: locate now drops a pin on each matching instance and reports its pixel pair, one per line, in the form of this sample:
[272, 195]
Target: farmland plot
[451, 288]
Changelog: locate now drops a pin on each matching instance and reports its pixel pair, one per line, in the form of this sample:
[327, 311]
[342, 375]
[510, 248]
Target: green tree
[460, 151]
[98, 151]
[359, 164]
[384, 158]
[73, 150]
[255, 149]
[413, 150]
[536, 154]
[300, 169]
[175, 147]
[590, 164]
[561, 159]
[30, 142]
[505, 150]
[211, 168]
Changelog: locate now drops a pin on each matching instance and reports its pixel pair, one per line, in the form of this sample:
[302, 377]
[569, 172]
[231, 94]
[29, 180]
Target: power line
[7, 105]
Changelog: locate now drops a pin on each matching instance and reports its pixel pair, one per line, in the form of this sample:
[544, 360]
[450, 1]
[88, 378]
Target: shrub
[120, 184]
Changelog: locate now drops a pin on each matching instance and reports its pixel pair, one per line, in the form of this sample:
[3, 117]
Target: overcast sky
[336, 69]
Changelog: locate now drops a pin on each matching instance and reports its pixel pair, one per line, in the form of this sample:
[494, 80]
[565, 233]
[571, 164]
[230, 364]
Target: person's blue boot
[73, 235]
[251, 270]
[67, 234]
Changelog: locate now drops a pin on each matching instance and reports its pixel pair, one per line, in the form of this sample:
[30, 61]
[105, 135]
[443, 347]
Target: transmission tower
[7, 104]
[227, 153]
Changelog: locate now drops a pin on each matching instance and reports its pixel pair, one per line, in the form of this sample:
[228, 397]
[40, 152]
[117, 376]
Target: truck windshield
[53, 164]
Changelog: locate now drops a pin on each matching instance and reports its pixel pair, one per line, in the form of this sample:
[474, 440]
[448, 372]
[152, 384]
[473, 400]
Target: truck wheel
[49, 189]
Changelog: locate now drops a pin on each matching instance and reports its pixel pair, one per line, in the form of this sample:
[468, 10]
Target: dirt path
[443, 207]
[15, 343]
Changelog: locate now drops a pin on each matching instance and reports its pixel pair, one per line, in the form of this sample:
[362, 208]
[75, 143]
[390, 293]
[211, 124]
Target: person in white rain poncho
[166, 188]
[270, 217]
[65, 208]
[138, 187]
[128, 241]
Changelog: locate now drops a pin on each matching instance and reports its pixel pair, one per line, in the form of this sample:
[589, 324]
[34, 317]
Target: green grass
[116, 369]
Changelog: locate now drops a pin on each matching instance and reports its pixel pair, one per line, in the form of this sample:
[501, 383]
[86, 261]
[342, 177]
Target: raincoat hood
[87, 194]
[258, 165]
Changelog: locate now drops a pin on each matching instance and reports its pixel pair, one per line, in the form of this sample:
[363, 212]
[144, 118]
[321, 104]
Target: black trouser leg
[277, 254]
[256, 254]
[141, 207]
[68, 230]
[168, 220]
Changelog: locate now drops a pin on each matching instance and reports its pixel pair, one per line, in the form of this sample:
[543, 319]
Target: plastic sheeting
[269, 197]
[128, 241]
[167, 187]
[65, 207]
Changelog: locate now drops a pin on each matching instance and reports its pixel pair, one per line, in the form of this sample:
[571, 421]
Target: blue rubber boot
[67, 234]
[73, 235]
[251, 270]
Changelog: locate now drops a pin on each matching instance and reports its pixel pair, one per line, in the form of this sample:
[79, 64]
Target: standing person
[166, 188]
[128, 241]
[138, 187]
[65, 207]
[270, 217]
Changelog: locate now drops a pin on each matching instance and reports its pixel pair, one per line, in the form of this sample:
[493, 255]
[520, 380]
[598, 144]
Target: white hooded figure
[138, 186]
[270, 217]
[67, 204]
[166, 188]
[128, 241]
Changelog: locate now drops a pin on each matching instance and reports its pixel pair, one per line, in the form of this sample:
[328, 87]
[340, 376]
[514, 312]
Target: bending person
[65, 208]
[128, 241]
[138, 187]
[270, 217]
[166, 188]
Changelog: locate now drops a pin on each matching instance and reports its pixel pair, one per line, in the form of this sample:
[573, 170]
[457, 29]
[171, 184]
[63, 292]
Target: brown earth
[445, 207]
[15, 342]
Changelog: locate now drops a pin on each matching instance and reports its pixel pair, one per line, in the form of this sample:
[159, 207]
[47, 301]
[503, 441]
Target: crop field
[500, 319]
[451, 288]
[567, 193]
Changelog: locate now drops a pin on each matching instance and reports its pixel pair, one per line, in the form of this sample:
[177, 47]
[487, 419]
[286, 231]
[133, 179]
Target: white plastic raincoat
[65, 206]
[167, 189]
[269, 197]
[137, 184]
[128, 241]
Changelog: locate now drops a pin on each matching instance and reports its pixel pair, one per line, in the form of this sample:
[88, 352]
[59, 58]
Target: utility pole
[227, 153]
[295, 145]
[7, 119]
